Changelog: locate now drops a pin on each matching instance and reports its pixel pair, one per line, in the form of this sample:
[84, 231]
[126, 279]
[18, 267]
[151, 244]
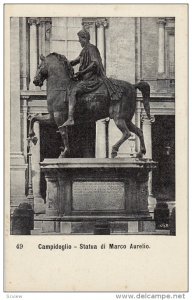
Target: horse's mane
[64, 61]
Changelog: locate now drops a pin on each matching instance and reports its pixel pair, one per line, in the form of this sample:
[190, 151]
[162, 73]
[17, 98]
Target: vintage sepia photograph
[93, 125]
[96, 147]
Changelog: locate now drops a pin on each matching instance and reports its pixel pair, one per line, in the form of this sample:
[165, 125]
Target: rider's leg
[72, 102]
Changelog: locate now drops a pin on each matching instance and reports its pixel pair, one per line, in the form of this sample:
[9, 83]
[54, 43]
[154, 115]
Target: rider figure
[91, 74]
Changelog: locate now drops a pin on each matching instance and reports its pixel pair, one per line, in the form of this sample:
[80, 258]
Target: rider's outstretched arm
[75, 61]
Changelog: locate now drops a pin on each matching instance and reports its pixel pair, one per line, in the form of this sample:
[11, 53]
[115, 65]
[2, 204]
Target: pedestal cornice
[72, 163]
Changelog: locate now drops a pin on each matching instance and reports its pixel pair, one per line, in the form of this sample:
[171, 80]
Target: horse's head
[42, 72]
[55, 67]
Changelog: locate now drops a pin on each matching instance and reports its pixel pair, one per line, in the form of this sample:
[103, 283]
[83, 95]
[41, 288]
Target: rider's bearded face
[82, 41]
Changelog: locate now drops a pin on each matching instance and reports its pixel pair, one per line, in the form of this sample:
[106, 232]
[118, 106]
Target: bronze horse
[90, 107]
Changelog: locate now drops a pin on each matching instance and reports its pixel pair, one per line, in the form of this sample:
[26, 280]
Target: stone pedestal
[83, 191]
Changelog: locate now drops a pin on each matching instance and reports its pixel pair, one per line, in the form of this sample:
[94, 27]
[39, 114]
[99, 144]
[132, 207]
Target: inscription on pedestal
[97, 195]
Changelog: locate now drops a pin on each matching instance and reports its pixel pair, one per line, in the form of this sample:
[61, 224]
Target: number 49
[19, 246]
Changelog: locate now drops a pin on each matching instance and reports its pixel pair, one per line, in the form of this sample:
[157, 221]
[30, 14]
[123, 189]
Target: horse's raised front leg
[121, 124]
[47, 118]
[139, 133]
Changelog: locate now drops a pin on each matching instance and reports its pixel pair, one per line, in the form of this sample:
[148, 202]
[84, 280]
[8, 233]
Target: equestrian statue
[88, 95]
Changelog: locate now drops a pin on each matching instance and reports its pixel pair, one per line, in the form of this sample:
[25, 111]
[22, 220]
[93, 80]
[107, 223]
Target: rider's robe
[92, 80]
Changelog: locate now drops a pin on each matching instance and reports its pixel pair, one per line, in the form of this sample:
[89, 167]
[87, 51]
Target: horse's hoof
[62, 155]
[152, 119]
[30, 117]
[62, 130]
[69, 122]
[65, 154]
[34, 140]
[31, 134]
[139, 155]
[61, 127]
[113, 154]
[32, 137]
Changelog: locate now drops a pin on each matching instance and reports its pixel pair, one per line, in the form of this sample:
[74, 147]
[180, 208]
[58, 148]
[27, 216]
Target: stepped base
[94, 225]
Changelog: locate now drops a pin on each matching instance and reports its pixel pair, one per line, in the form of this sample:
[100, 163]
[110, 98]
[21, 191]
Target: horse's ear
[42, 57]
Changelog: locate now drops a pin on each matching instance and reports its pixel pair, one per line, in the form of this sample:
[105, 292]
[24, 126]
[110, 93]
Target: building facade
[132, 49]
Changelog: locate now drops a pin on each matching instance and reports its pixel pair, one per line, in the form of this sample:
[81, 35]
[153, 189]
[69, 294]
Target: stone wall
[64, 39]
[120, 49]
[149, 45]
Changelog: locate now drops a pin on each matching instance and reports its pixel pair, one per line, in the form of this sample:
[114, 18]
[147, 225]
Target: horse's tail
[144, 87]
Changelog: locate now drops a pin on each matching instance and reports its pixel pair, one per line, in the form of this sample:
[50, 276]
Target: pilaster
[36, 172]
[101, 125]
[18, 166]
[90, 25]
[96, 28]
[101, 24]
[33, 22]
[23, 53]
[146, 126]
[161, 51]
[102, 139]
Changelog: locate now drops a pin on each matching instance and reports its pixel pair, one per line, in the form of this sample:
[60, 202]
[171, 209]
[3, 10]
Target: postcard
[96, 143]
